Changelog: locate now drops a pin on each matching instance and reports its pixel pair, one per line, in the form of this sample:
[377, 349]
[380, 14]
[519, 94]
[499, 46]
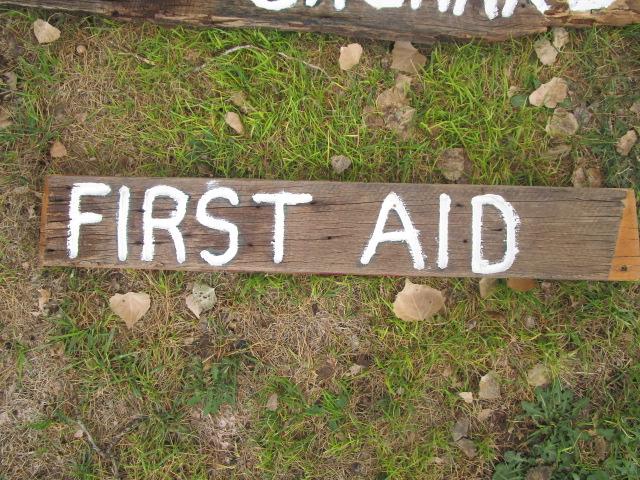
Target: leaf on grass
[201, 299]
[542, 472]
[466, 396]
[626, 143]
[44, 296]
[5, 118]
[417, 302]
[239, 99]
[45, 32]
[485, 414]
[393, 110]
[489, 388]
[522, 284]
[340, 163]
[487, 286]
[549, 94]
[546, 52]
[130, 307]
[454, 164]
[538, 376]
[406, 58]
[562, 124]
[460, 429]
[272, 402]
[233, 120]
[584, 177]
[560, 37]
[350, 56]
[58, 150]
[467, 447]
[81, 49]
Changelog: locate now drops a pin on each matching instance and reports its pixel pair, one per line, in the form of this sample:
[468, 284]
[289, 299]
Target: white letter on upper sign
[218, 224]
[76, 217]
[409, 235]
[478, 263]
[274, 4]
[149, 224]
[280, 200]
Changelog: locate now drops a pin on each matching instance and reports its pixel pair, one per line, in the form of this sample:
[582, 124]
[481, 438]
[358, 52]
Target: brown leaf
[233, 120]
[460, 429]
[485, 414]
[44, 296]
[340, 163]
[541, 472]
[522, 284]
[538, 376]
[466, 396]
[81, 49]
[57, 150]
[626, 142]
[487, 286]
[272, 402]
[560, 37]
[5, 118]
[549, 94]
[130, 307]
[45, 32]
[467, 447]
[417, 302]
[406, 58]
[489, 388]
[583, 177]
[562, 124]
[239, 99]
[454, 164]
[546, 52]
[350, 56]
[201, 299]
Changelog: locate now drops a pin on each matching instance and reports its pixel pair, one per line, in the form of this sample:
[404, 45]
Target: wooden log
[415, 20]
[340, 228]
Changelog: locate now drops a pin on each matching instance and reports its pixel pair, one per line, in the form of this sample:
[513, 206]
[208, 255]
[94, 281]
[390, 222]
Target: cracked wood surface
[565, 233]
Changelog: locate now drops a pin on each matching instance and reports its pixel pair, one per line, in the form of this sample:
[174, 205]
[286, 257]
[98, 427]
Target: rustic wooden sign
[342, 228]
[417, 20]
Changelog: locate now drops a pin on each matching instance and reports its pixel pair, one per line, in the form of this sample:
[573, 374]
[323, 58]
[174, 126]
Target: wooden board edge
[44, 214]
[625, 263]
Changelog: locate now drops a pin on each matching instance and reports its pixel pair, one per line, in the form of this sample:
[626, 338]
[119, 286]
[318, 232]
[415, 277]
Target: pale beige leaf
[562, 124]
[130, 307]
[489, 388]
[454, 164]
[81, 49]
[44, 296]
[626, 143]
[239, 99]
[560, 37]
[549, 94]
[587, 177]
[466, 396]
[546, 52]
[417, 302]
[350, 56]
[45, 32]
[340, 163]
[485, 414]
[272, 402]
[522, 284]
[406, 58]
[538, 376]
[355, 369]
[202, 299]
[57, 150]
[233, 120]
[460, 429]
[487, 286]
[540, 472]
[467, 447]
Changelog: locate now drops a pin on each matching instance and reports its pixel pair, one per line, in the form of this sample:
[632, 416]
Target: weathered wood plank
[463, 19]
[557, 233]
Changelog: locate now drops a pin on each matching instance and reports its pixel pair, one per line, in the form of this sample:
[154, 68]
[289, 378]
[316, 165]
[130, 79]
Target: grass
[146, 100]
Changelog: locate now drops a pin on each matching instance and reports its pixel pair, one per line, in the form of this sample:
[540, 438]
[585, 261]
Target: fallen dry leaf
[45, 32]
[454, 164]
[350, 56]
[340, 163]
[272, 402]
[538, 376]
[487, 286]
[78, 434]
[549, 94]
[417, 302]
[626, 142]
[393, 110]
[467, 447]
[81, 49]
[57, 150]
[5, 118]
[460, 429]
[355, 369]
[44, 296]
[130, 307]
[406, 58]
[233, 120]
[560, 37]
[522, 284]
[485, 414]
[583, 177]
[466, 396]
[562, 124]
[201, 299]
[489, 388]
[546, 52]
[239, 99]
[541, 472]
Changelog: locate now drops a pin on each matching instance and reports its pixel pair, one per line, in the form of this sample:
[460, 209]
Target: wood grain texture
[425, 24]
[565, 233]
